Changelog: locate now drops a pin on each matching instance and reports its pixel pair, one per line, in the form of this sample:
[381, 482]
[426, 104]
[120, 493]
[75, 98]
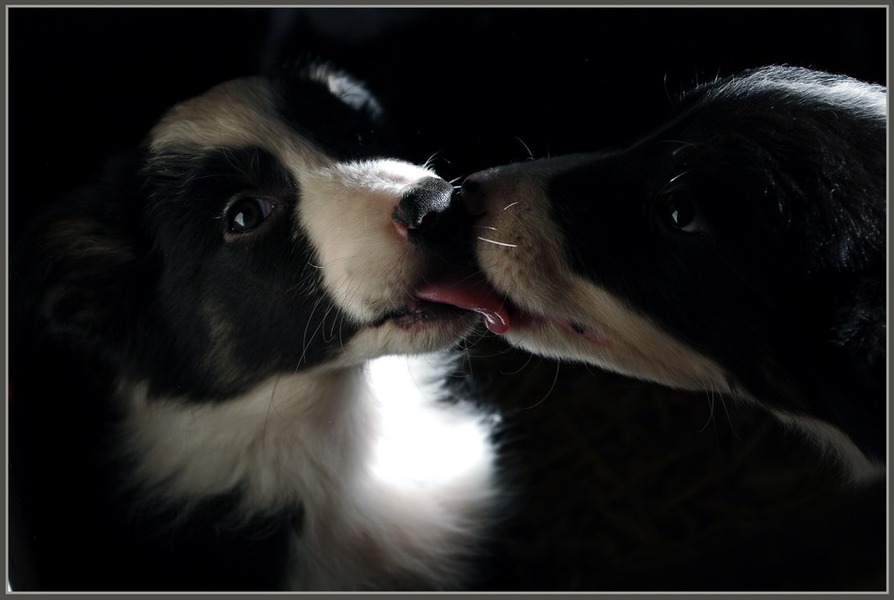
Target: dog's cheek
[374, 342]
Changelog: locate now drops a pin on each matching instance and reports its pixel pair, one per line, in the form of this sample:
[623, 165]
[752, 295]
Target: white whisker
[530, 154]
[675, 177]
[497, 243]
[550, 391]
[711, 403]
[428, 163]
[510, 206]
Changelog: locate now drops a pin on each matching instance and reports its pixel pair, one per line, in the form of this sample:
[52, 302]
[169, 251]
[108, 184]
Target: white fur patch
[395, 486]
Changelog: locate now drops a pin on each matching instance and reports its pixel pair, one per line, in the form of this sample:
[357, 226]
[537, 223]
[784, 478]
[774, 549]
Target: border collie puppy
[739, 249]
[246, 281]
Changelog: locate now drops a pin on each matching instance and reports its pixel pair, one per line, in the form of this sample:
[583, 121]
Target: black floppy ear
[857, 398]
[86, 267]
[859, 333]
[76, 269]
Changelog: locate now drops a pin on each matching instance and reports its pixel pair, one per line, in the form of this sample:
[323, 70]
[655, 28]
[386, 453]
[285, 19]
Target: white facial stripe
[530, 267]
[345, 209]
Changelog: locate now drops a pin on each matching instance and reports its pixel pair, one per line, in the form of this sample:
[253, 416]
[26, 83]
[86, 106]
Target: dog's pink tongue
[469, 294]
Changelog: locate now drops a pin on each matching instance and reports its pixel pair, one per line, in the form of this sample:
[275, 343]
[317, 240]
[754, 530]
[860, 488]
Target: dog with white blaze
[269, 404]
[739, 249]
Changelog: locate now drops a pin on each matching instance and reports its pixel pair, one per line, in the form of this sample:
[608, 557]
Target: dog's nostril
[421, 206]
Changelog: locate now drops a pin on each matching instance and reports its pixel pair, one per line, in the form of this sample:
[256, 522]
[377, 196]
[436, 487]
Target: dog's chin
[417, 328]
[419, 315]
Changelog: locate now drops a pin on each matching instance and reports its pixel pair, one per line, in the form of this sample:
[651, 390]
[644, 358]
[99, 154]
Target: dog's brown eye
[677, 210]
[246, 213]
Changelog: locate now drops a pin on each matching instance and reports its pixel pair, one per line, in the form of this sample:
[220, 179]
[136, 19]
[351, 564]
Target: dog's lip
[418, 312]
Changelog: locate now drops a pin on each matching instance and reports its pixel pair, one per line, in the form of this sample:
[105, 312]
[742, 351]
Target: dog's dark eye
[246, 213]
[677, 211]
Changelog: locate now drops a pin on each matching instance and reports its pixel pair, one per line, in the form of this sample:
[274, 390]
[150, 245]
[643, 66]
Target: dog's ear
[86, 261]
[77, 266]
[856, 395]
[859, 332]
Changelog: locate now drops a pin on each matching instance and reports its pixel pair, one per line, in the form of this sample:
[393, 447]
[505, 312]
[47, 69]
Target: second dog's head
[739, 248]
[259, 230]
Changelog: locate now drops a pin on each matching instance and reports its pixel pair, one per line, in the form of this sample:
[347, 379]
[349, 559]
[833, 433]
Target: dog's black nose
[423, 208]
[470, 186]
[471, 197]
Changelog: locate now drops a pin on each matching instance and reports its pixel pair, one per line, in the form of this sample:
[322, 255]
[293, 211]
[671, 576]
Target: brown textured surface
[623, 485]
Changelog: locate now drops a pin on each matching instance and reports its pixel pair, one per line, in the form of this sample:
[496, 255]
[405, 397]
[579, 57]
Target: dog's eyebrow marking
[218, 172]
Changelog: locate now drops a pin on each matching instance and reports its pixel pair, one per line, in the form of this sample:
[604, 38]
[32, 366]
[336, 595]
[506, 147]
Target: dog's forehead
[256, 112]
[233, 114]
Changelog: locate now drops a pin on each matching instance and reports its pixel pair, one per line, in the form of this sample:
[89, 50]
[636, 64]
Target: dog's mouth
[420, 312]
[472, 292]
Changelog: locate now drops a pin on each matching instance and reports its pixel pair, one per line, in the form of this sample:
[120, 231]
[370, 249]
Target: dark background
[623, 486]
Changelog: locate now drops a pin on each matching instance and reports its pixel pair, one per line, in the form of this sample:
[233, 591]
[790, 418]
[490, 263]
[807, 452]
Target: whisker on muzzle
[497, 243]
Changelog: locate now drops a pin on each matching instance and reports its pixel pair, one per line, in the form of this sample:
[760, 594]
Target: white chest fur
[395, 486]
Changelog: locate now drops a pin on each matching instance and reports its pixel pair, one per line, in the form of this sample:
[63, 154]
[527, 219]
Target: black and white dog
[250, 283]
[739, 249]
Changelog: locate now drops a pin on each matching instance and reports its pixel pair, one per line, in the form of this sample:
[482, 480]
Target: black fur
[792, 193]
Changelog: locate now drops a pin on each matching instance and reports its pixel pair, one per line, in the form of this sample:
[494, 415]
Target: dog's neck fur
[389, 480]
